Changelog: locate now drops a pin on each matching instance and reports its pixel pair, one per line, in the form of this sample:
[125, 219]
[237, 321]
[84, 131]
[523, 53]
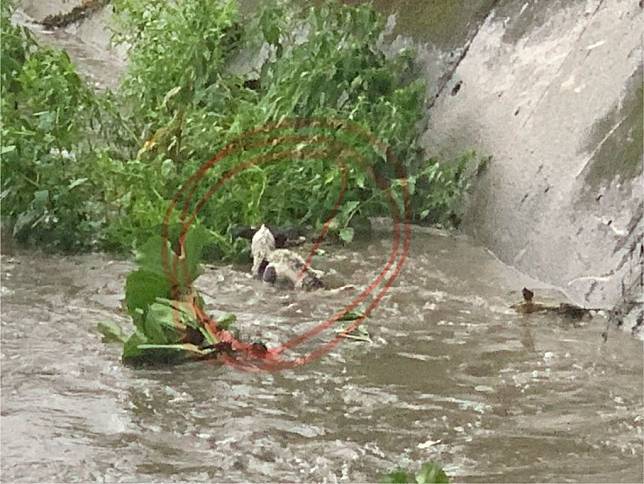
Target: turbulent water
[452, 375]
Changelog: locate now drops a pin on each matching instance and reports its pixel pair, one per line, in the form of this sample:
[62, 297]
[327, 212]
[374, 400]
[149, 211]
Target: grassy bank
[84, 170]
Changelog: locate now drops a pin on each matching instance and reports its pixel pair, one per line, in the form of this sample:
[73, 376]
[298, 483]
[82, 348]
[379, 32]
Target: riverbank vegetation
[86, 170]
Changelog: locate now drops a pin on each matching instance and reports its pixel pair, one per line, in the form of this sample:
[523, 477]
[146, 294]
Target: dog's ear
[270, 275]
[261, 269]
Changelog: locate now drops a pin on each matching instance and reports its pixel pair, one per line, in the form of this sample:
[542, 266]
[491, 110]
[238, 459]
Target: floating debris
[528, 306]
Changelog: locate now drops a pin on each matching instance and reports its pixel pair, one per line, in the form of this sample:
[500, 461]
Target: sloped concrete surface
[553, 91]
[88, 42]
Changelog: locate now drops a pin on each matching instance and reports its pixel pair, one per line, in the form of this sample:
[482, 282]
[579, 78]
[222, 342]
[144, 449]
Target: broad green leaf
[131, 347]
[346, 234]
[159, 324]
[196, 239]
[156, 256]
[112, 332]
[166, 323]
[77, 182]
[142, 287]
[350, 206]
[41, 198]
[185, 311]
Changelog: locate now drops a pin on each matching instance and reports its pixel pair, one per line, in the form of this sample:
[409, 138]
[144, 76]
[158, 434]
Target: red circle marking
[270, 360]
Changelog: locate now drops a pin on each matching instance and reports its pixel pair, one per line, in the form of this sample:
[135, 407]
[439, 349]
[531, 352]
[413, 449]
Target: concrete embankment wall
[552, 90]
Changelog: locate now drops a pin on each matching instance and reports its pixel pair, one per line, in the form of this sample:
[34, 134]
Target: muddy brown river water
[452, 375]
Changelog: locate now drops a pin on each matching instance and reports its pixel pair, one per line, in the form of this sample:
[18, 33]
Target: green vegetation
[169, 323]
[86, 170]
[429, 473]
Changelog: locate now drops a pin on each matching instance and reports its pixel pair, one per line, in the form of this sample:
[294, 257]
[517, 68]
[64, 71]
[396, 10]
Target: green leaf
[142, 288]
[186, 311]
[184, 269]
[352, 316]
[41, 198]
[170, 94]
[397, 477]
[271, 32]
[112, 332]
[346, 234]
[150, 257]
[431, 473]
[196, 240]
[7, 149]
[225, 321]
[350, 207]
[131, 347]
[77, 182]
[159, 324]
[360, 179]
[167, 167]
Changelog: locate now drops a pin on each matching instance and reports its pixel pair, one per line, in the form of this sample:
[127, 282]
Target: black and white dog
[281, 267]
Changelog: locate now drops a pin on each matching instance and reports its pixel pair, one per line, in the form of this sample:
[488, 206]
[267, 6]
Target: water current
[452, 374]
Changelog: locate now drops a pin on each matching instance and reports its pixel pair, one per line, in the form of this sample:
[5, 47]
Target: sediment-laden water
[452, 375]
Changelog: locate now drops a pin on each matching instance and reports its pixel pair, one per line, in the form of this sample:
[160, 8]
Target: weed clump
[170, 324]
